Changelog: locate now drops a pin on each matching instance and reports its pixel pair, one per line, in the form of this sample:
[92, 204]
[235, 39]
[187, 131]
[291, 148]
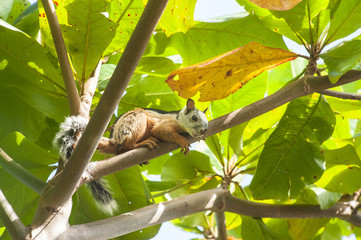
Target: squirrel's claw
[184, 147]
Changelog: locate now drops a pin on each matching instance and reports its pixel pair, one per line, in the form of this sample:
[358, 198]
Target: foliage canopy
[304, 152]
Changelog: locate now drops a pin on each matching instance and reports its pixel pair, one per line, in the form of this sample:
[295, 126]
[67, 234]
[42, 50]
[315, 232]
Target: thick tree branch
[68, 180]
[20, 173]
[342, 95]
[71, 89]
[11, 221]
[217, 200]
[299, 88]
[149, 216]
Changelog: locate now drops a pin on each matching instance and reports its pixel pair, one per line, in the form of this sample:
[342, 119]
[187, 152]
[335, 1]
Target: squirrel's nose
[203, 131]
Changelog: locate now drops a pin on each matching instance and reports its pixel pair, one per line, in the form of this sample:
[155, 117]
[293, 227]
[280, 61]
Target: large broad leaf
[345, 20]
[305, 229]
[269, 20]
[204, 41]
[126, 14]
[28, 20]
[178, 16]
[291, 157]
[343, 170]
[5, 8]
[11, 9]
[34, 159]
[189, 170]
[343, 58]
[31, 86]
[299, 18]
[345, 107]
[223, 75]
[87, 33]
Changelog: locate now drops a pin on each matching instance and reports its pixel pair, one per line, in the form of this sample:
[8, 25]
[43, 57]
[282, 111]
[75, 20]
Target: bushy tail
[102, 196]
[65, 141]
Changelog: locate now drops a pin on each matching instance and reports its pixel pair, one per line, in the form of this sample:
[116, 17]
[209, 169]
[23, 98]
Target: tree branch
[71, 89]
[221, 226]
[299, 88]
[20, 173]
[343, 95]
[217, 200]
[69, 178]
[89, 88]
[11, 221]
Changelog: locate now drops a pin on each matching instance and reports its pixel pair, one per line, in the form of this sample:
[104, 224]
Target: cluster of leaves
[305, 152]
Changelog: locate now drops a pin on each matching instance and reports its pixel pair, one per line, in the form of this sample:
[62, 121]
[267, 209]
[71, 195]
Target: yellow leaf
[222, 75]
[276, 4]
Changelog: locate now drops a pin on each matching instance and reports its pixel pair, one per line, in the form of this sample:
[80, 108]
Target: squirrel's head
[193, 120]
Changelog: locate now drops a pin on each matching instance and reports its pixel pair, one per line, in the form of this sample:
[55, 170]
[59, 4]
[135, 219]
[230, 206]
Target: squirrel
[134, 129]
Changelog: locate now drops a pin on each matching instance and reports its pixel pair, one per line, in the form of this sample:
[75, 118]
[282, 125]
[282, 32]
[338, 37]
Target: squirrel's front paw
[184, 144]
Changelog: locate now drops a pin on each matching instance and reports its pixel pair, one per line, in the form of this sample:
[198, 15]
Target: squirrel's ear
[190, 105]
[205, 110]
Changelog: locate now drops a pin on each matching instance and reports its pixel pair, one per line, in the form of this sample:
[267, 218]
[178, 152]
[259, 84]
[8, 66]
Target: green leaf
[195, 46]
[255, 229]
[304, 229]
[28, 74]
[291, 157]
[155, 186]
[343, 58]
[18, 6]
[331, 232]
[87, 33]
[28, 20]
[5, 8]
[126, 14]
[345, 107]
[178, 16]
[180, 167]
[343, 171]
[269, 20]
[345, 20]
[299, 17]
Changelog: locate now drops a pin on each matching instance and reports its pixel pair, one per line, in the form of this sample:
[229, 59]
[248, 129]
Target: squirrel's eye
[195, 118]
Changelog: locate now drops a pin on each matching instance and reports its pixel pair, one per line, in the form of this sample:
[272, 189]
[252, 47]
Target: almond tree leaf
[298, 18]
[345, 20]
[343, 170]
[220, 76]
[203, 41]
[304, 229]
[268, 19]
[17, 7]
[178, 16]
[291, 157]
[88, 33]
[342, 58]
[276, 4]
[126, 13]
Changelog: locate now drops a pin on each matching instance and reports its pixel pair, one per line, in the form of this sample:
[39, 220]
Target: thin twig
[342, 95]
